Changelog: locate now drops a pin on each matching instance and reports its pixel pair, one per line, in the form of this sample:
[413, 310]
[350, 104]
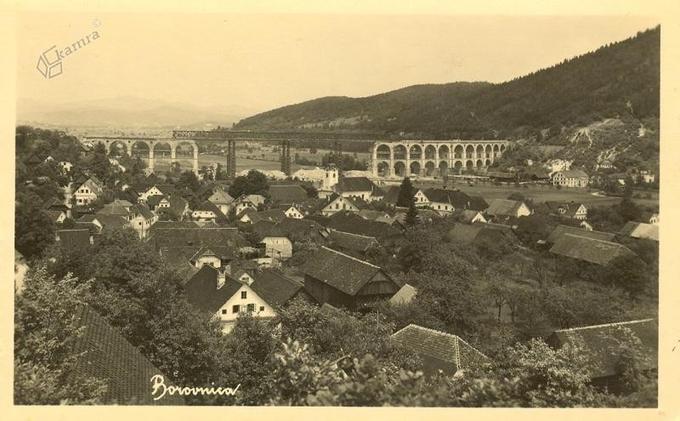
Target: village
[255, 245]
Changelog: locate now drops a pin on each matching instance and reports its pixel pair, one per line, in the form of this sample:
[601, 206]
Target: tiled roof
[294, 229]
[573, 174]
[477, 203]
[274, 287]
[117, 207]
[142, 210]
[457, 198]
[339, 270]
[202, 289]
[503, 207]
[287, 193]
[357, 184]
[595, 338]
[54, 214]
[353, 242]
[110, 357]
[74, 239]
[477, 233]
[374, 215]
[589, 249]
[355, 224]
[111, 221]
[173, 224]
[561, 230]
[220, 197]
[468, 216]
[442, 346]
[405, 295]
[640, 230]
[271, 215]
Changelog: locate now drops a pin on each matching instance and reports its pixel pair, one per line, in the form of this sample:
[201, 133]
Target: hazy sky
[257, 62]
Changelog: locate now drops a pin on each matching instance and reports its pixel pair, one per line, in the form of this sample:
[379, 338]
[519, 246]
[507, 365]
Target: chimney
[221, 279]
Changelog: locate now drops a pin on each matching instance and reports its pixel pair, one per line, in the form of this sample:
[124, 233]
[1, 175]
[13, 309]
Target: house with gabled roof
[175, 206]
[359, 188]
[225, 298]
[468, 216]
[103, 353]
[341, 203]
[342, 280]
[88, 191]
[141, 219]
[505, 209]
[278, 289]
[355, 224]
[287, 194]
[56, 216]
[446, 201]
[351, 243]
[278, 247]
[296, 230]
[271, 215]
[640, 230]
[482, 234]
[439, 351]
[180, 244]
[207, 212]
[570, 178]
[590, 250]
[567, 209]
[561, 230]
[292, 212]
[74, 240]
[221, 199]
[603, 342]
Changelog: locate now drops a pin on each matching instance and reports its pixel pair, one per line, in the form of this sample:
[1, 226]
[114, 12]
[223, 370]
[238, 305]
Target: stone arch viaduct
[433, 157]
[152, 148]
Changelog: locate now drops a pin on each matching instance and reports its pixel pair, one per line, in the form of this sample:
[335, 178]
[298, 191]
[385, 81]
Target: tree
[100, 164]
[45, 331]
[406, 193]
[411, 214]
[188, 181]
[33, 228]
[253, 183]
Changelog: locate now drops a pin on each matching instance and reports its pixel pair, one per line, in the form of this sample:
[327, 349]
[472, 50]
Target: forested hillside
[620, 79]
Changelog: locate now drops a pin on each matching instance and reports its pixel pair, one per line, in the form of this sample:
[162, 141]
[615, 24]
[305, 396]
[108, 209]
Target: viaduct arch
[153, 148]
[433, 157]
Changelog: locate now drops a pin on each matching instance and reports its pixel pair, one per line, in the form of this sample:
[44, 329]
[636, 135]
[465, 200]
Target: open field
[538, 193]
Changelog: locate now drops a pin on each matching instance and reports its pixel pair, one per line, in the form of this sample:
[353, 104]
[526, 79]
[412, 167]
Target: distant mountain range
[617, 79]
[125, 112]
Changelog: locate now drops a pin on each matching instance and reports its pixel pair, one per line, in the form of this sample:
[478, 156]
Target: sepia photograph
[336, 210]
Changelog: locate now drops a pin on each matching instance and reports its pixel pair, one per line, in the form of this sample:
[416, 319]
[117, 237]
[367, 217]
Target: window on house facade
[235, 309]
[224, 311]
[261, 308]
[251, 308]
[244, 295]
